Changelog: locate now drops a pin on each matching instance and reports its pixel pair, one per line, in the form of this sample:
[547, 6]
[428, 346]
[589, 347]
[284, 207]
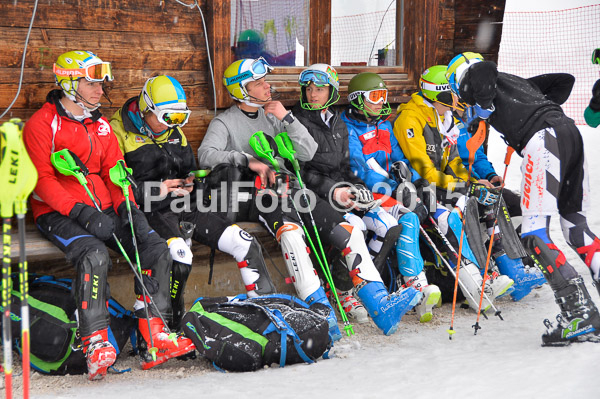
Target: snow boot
[355, 311]
[526, 278]
[385, 309]
[99, 354]
[320, 297]
[432, 296]
[578, 320]
[167, 346]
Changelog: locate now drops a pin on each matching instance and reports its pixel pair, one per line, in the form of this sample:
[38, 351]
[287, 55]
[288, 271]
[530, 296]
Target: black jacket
[523, 106]
[331, 162]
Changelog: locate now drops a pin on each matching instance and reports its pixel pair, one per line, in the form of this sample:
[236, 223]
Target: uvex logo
[527, 188]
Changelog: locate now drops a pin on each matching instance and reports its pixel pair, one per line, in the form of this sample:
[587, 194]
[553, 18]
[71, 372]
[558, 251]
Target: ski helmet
[320, 75]
[458, 66]
[165, 98]
[434, 85]
[242, 72]
[368, 87]
[74, 65]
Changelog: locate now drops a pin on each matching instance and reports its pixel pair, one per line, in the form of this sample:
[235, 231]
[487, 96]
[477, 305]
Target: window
[364, 33]
[276, 30]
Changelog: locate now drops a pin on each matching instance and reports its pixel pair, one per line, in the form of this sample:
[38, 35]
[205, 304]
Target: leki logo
[527, 187]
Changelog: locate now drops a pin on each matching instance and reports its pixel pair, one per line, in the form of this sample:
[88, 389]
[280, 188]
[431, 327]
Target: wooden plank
[218, 26]
[108, 15]
[139, 50]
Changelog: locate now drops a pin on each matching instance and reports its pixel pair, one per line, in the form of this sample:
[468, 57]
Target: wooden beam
[319, 32]
[219, 38]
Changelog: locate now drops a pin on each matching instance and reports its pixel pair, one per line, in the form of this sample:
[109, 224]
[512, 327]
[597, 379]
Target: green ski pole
[64, 162]
[285, 147]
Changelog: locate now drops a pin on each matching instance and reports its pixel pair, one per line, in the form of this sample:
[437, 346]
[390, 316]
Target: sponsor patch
[103, 128]
[140, 139]
[410, 133]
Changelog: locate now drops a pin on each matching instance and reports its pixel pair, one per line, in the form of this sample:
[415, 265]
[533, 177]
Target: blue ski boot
[525, 278]
[320, 297]
[386, 309]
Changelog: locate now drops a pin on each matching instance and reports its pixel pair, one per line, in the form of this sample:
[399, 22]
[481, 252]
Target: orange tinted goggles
[376, 96]
[93, 73]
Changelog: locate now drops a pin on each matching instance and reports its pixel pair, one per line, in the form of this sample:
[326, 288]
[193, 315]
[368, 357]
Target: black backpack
[55, 347]
[245, 335]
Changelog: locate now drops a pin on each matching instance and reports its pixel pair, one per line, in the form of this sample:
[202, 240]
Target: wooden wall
[142, 38]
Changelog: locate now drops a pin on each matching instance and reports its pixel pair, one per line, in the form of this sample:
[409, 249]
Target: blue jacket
[373, 141]
[482, 168]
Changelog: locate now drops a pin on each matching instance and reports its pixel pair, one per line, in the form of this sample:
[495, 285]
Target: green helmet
[434, 85]
[365, 88]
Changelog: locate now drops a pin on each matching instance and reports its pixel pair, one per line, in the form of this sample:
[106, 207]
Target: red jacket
[92, 140]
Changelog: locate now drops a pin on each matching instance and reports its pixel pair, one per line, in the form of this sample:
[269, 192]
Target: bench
[45, 258]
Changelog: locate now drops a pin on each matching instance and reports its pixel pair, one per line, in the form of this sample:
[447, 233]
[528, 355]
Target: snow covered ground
[504, 359]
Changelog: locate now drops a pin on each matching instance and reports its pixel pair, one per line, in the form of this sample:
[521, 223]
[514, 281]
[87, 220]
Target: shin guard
[182, 266]
[410, 261]
[91, 292]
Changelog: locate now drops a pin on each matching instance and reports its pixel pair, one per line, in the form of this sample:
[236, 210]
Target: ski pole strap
[285, 147]
[64, 161]
[258, 142]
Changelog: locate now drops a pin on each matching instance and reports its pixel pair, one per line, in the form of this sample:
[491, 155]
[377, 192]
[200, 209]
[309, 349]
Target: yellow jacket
[434, 158]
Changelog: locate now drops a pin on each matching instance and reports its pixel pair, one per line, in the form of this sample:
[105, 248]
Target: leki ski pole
[509, 152]
[472, 145]
[67, 163]
[285, 147]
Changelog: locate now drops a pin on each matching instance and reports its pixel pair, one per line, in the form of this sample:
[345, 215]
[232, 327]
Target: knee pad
[254, 272]
[297, 260]
[157, 281]
[91, 291]
[355, 221]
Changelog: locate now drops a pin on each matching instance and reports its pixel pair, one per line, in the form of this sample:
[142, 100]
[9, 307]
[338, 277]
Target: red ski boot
[166, 346]
[99, 354]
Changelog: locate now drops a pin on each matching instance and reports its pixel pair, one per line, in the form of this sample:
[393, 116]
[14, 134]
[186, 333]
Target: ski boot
[432, 296]
[355, 311]
[320, 297]
[526, 278]
[99, 354]
[385, 309]
[578, 320]
[167, 346]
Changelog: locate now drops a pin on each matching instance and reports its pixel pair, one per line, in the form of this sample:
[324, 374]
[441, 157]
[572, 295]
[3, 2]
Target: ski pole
[261, 146]
[509, 152]
[9, 172]
[472, 145]
[65, 162]
[285, 147]
[27, 177]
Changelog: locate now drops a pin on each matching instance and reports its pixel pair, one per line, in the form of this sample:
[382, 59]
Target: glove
[150, 283]
[595, 101]
[484, 195]
[362, 194]
[96, 223]
[140, 224]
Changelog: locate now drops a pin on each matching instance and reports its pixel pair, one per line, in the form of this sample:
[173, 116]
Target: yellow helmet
[74, 65]
[242, 72]
[164, 96]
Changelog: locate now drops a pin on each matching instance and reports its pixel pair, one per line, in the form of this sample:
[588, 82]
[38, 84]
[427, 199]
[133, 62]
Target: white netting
[540, 42]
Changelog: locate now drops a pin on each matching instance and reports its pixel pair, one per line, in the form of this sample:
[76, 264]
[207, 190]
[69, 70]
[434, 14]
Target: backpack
[55, 346]
[245, 334]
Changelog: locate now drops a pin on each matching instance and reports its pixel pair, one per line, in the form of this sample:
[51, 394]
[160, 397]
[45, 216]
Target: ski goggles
[318, 78]
[258, 69]
[92, 73]
[375, 96]
[172, 118]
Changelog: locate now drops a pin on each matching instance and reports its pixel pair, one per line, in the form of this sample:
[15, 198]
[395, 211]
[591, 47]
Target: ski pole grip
[200, 173]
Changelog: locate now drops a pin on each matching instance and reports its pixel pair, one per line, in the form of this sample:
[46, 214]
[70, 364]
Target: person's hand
[140, 224]
[496, 181]
[485, 183]
[266, 174]
[275, 108]
[95, 222]
[344, 197]
[174, 185]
